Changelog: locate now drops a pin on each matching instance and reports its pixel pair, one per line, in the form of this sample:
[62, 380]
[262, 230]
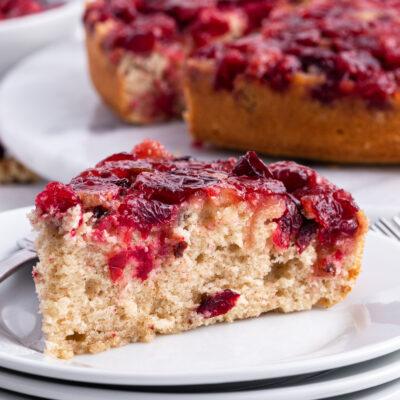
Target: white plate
[21, 36]
[333, 383]
[53, 120]
[364, 326]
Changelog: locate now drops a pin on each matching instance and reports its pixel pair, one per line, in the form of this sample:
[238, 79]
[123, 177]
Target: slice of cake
[146, 243]
[320, 81]
[137, 49]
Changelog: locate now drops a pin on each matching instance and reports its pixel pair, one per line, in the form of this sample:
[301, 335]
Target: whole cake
[320, 81]
[147, 243]
[316, 79]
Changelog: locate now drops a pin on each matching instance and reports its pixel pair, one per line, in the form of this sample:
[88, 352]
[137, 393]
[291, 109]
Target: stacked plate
[312, 355]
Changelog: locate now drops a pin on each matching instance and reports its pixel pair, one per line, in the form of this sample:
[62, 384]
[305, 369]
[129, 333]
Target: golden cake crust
[105, 78]
[289, 123]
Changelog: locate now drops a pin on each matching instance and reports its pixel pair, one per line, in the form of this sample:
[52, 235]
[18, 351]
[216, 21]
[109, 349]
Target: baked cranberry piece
[141, 35]
[229, 66]
[172, 188]
[151, 149]
[56, 198]
[295, 176]
[250, 165]
[143, 214]
[180, 248]
[209, 25]
[217, 304]
[117, 157]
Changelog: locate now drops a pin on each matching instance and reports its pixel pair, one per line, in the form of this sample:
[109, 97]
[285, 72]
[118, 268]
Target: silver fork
[390, 228]
[16, 260]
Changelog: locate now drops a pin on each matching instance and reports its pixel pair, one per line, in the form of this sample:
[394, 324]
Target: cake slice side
[115, 270]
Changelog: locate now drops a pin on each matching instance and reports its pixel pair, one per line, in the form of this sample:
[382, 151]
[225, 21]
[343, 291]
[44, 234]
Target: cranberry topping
[140, 37]
[217, 304]
[250, 165]
[334, 210]
[147, 190]
[139, 25]
[209, 24]
[349, 46]
[19, 8]
[142, 214]
[151, 149]
[172, 188]
[56, 198]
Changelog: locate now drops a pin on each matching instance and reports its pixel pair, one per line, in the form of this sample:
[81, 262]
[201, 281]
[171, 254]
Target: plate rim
[275, 370]
[370, 376]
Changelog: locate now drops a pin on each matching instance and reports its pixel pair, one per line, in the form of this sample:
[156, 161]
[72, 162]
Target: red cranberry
[250, 165]
[143, 214]
[151, 149]
[217, 304]
[56, 198]
[293, 175]
[288, 226]
[180, 248]
[208, 25]
[117, 157]
[231, 65]
[172, 188]
[306, 234]
[124, 10]
[140, 42]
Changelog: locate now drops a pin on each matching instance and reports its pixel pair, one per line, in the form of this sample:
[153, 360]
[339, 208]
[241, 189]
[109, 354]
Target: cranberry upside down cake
[146, 243]
[316, 79]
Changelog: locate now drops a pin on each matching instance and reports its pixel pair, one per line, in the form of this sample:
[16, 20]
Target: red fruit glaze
[217, 304]
[140, 24]
[148, 190]
[353, 45]
[56, 199]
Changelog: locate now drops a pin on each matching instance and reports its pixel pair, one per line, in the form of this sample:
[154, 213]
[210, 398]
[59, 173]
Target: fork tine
[391, 228]
[379, 228]
[396, 220]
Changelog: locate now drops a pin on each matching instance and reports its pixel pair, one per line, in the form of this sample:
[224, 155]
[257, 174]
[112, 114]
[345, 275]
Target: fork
[16, 260]
[390, 228]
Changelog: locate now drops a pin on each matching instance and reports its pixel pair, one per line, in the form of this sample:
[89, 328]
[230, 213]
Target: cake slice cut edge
[146, 244]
